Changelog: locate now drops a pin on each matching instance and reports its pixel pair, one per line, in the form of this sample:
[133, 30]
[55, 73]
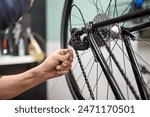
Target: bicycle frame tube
[110, 78]
[122, 18]
[139, 27]
[134, 64]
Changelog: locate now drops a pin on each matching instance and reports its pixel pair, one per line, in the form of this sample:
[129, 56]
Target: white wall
[54, 13]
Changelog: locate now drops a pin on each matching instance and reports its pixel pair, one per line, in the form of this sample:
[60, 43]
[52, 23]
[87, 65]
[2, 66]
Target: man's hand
[58, 63]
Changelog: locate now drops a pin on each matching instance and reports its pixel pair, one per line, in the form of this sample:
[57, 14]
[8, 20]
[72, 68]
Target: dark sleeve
[11, 11]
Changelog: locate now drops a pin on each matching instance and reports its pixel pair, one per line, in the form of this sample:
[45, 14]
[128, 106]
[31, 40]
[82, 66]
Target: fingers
[65, 57]
[71, 55]
[60, 73]
[63, 68]
[63, 51]
[58, 68]
[66, 63]
[65, 54]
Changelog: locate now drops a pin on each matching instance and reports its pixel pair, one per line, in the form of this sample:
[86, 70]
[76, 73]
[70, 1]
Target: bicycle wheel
[106, 61]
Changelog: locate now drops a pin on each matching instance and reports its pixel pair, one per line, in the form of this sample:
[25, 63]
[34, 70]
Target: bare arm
[13, 85]
[58, 63]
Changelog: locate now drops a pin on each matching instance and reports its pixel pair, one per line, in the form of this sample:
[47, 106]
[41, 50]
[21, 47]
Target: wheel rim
[94, 72]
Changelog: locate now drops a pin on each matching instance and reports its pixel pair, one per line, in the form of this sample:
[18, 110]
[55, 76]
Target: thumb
[64, 57]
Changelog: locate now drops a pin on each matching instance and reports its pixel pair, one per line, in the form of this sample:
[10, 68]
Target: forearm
[13, 85]
[57, 64]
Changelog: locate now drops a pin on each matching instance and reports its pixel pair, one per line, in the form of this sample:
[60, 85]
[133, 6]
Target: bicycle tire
[70, 77]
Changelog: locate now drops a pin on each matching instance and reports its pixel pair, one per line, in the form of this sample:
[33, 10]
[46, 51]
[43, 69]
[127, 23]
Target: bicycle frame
[126, 33]
[122, 18]
[110, 78]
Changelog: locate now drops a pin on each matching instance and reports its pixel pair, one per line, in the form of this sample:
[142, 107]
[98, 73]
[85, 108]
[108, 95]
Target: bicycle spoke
[89, 76]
